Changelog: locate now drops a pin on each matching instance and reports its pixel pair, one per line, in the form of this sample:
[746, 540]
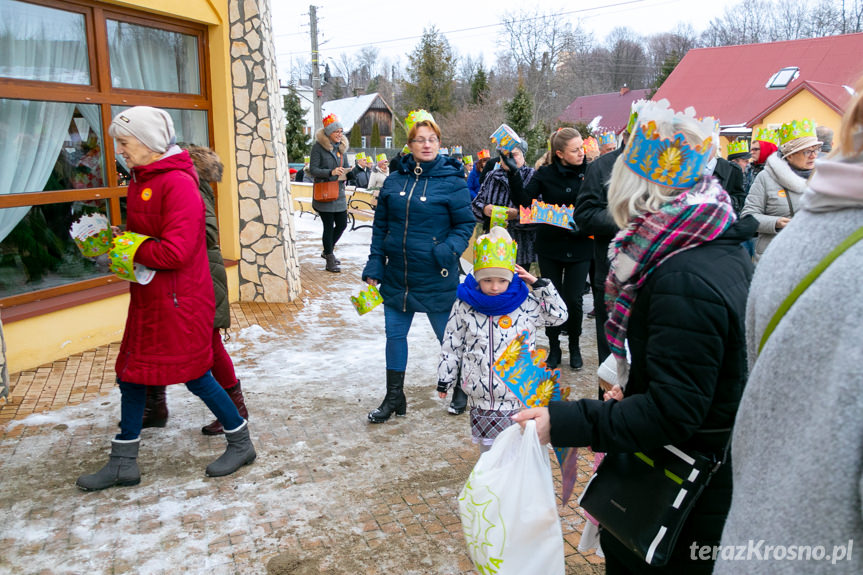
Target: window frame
[100, 92]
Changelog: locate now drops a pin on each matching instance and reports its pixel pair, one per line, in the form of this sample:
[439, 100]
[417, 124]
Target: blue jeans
[134, 398]
[398, 324]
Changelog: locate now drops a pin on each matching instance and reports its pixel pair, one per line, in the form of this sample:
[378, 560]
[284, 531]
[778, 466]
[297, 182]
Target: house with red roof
[611, 108]
[753, 85]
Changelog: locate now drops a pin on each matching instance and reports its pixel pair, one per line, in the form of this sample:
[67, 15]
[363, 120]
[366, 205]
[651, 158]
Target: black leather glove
[442, 387]
[510, 163]
[572, 225]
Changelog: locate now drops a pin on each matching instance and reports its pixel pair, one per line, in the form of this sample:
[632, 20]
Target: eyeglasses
[422, 141]
[812, 152]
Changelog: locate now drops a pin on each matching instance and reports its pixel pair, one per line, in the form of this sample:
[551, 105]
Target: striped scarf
[696, 216]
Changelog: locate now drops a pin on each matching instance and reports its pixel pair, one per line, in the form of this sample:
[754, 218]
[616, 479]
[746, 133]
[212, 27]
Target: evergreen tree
[297, 143]
[376, 136]
[431, 72]
[356, 139]
[479, 86]
[668, 65]
[519, 111]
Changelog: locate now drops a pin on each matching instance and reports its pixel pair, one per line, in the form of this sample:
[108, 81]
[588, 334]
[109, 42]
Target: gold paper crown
[738, 147]
[794, 130]
[669, 160]
[591, 147]
[329, 119]
[368, 299]
[495, 250]
[417, 116]
[766, 135]
[483, 154]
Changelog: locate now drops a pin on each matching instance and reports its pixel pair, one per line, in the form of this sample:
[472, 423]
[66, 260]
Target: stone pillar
[269, 266]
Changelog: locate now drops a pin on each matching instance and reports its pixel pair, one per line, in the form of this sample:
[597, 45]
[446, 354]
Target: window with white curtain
[55, 158]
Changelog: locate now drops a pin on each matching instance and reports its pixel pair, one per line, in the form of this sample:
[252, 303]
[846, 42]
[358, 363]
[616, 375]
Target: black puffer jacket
[209, 169]
[687, 338]
[554, 184]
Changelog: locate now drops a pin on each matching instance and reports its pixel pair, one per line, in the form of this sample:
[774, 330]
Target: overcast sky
[469, 25]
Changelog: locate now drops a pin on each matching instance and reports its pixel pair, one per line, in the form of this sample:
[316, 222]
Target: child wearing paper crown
[494, 306]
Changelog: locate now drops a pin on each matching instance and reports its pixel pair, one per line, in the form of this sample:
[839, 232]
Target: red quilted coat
[170, 324]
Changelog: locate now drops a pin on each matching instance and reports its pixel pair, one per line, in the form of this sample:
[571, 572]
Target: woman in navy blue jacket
[423, 223]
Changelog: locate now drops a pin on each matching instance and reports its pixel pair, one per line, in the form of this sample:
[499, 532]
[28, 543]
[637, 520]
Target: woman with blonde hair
[676, 295]
[564, 255]
[798, 448]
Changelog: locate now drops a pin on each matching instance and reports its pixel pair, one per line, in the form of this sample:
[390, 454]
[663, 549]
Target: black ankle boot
[554, 354]
[332, 266]
[394, 401]
[575, 361]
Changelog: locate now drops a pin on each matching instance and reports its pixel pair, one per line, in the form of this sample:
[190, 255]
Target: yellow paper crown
[329, 119]
[633, 115]
[368, 299]
[796, 129]
[766, 135]
[671, 161]
[591, 147]
[381, 157]
[496, 249]
[738, 147]
[468, 159]
[415, 117]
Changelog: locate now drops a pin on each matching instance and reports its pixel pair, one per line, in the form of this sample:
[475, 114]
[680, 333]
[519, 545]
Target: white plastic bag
[508, 508]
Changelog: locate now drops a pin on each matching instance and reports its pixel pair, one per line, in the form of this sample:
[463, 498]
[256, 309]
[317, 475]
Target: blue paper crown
[674, 161]
[606, 138]
[541, 213]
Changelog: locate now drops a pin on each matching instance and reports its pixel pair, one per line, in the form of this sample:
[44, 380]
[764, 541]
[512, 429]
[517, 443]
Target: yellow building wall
[43, 339]
[803, 105]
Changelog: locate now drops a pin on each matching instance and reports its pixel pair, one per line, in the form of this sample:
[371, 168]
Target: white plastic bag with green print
[509, 510]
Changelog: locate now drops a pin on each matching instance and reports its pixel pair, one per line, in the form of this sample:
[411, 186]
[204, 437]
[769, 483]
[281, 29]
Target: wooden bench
[301, 194]
[361, 208]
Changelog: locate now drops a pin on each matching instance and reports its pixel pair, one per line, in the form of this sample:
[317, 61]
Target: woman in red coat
[169, 327]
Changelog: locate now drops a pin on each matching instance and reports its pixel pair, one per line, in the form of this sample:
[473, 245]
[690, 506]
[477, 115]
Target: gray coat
[323, 160]
[798, 438]
[768, 198]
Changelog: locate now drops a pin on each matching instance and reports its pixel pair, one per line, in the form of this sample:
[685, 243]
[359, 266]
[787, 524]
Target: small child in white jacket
[494, 306]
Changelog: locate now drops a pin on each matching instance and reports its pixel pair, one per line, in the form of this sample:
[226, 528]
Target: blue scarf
[501, 304]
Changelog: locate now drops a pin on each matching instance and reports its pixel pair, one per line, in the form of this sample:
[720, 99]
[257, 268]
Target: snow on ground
[308, 393]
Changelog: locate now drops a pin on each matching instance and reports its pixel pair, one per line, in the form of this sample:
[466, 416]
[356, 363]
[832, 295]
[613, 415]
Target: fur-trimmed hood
[327, 144]
[780, 170]
[207, 163]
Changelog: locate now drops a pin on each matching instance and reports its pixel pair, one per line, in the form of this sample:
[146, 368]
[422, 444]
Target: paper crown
[483, 155]
[796, 129]
[468, 159]
[406, 150]
[498, 216]
[505, 138]
[122, 257]
[417, 116]
[381, 157]
[444, 151]
[361, 155]
[92, 234]
[542, 213]
[633, 115]
[457, 150]
[494, 250]
[670, 161]
[606, 138]
[591, 147]
[329, 119]
[367, 300]
[306, 159]
[766, 135]
[738, 147]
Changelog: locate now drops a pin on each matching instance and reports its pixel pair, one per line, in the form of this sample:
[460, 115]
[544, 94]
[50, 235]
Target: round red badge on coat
[505, 322]
[146, 194]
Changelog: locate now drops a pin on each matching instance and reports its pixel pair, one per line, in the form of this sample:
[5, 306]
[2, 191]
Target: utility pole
[316, 69]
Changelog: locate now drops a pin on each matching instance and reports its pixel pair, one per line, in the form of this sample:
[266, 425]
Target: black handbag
[643, 499]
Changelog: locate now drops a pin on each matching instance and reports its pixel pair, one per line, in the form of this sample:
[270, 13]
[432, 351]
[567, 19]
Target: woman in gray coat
[329, 163]
[777, 191]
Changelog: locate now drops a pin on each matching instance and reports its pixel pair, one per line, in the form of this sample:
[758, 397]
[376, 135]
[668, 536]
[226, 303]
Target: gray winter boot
[121, 469]
[240, 452]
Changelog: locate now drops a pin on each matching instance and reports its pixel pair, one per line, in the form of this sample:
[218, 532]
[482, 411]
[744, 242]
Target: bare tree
[745, 23]
[627, 60]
